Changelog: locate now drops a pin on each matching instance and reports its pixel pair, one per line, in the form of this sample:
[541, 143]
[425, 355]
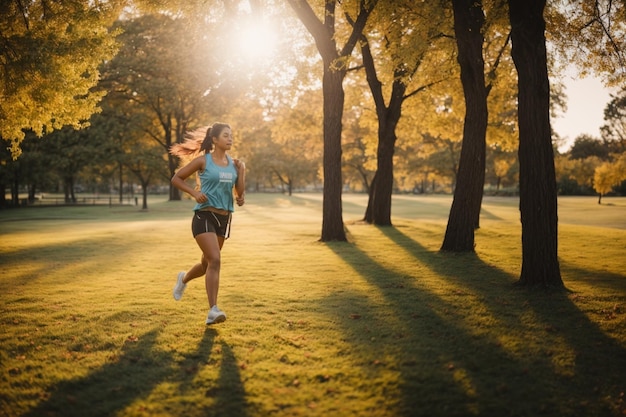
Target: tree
[608, 175]
[443, 159]
[359, 152]
[50, 53]
[501, 167]
[165, 73]
[335, 67]
[32, 170]
[469, 19]
[405, 49]
[604, 179]
[145, 160]
[5, 174]
[614, 129]
[590, 34]
[585, 146]
[424, 166]
[297, 149]
[575, 176]
[70, 152]
[538, 197]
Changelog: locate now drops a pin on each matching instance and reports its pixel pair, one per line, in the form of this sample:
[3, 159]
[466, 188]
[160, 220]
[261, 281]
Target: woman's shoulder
[200, 162]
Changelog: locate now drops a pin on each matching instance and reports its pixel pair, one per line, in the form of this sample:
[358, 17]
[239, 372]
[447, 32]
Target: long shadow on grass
[445, 369]
[227, 396]
[599, 279]
[595, 383]
[231, 399]
[452, 363]
[140, 368]
[84, 252]
[112, 387]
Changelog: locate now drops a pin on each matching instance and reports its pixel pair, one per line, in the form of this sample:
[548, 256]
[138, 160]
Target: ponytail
[207, 143]
[190, 147]
[195, 143]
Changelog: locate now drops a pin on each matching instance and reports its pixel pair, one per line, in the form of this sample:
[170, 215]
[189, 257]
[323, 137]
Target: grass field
[384, 325]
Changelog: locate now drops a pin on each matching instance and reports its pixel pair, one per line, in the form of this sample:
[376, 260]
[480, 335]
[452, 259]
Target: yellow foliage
[605, 178]
[50, 65]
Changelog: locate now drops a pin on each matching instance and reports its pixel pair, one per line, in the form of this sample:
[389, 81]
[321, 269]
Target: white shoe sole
[219, 319]
[177, 297]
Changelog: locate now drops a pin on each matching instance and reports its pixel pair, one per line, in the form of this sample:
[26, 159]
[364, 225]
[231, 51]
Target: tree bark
[538, 191]
[144, 195]
[121, 183]
[379, 203]
[468, 192]
[332, 217]
[378, 209]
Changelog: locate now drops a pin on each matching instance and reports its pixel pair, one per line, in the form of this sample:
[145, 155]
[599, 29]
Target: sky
[586, 100]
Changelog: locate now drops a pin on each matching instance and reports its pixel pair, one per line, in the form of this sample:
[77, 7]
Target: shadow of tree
[141, 367]
[598, 279]
[455, 354]
[113, 386]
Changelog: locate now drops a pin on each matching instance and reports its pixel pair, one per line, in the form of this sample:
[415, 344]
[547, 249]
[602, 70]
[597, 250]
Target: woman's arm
[240, 185]
[178, 180]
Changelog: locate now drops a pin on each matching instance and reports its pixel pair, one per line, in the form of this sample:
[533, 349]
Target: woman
[218, 174]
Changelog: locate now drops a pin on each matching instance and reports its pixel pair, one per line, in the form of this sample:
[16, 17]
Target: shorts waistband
[215, 210]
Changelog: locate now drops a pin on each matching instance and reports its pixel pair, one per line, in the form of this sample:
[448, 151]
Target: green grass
[382, 326]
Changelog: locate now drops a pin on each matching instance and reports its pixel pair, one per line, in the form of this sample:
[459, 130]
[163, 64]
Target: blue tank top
[217, 183]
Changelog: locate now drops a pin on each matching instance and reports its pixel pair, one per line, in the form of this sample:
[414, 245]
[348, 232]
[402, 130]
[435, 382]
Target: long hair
[198, 141]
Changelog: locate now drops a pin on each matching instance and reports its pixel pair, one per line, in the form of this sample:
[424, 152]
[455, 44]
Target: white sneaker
[180, 286]
[215, 316]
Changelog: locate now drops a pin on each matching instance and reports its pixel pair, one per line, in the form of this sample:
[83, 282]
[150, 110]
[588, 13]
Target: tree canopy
[50, 53]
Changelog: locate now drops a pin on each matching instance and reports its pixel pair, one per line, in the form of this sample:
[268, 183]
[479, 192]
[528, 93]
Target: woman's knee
[213, 261]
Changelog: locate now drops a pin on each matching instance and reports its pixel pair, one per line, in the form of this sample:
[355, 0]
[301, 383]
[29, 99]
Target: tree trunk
[3, 197]
[172, 161]
[121, 190]
[332, 217]
[368, 210]
[144, 203]
[68, 185]
[379, 203]
[32, 190]
[538, 190]
[15, 190]
[468, 191]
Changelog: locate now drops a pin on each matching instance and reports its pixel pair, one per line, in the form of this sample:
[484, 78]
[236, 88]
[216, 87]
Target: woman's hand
[200, 197]
[239, 165]
[240, 186]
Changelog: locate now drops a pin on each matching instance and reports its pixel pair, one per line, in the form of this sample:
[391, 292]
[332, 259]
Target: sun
[256, 41]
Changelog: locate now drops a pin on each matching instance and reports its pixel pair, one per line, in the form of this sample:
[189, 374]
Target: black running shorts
[210, 222]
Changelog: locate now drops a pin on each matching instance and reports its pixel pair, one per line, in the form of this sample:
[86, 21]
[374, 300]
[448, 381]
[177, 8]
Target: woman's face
[224, 140]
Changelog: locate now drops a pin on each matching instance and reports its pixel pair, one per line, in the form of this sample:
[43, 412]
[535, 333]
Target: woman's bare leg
[211, 246]
[196, 271]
